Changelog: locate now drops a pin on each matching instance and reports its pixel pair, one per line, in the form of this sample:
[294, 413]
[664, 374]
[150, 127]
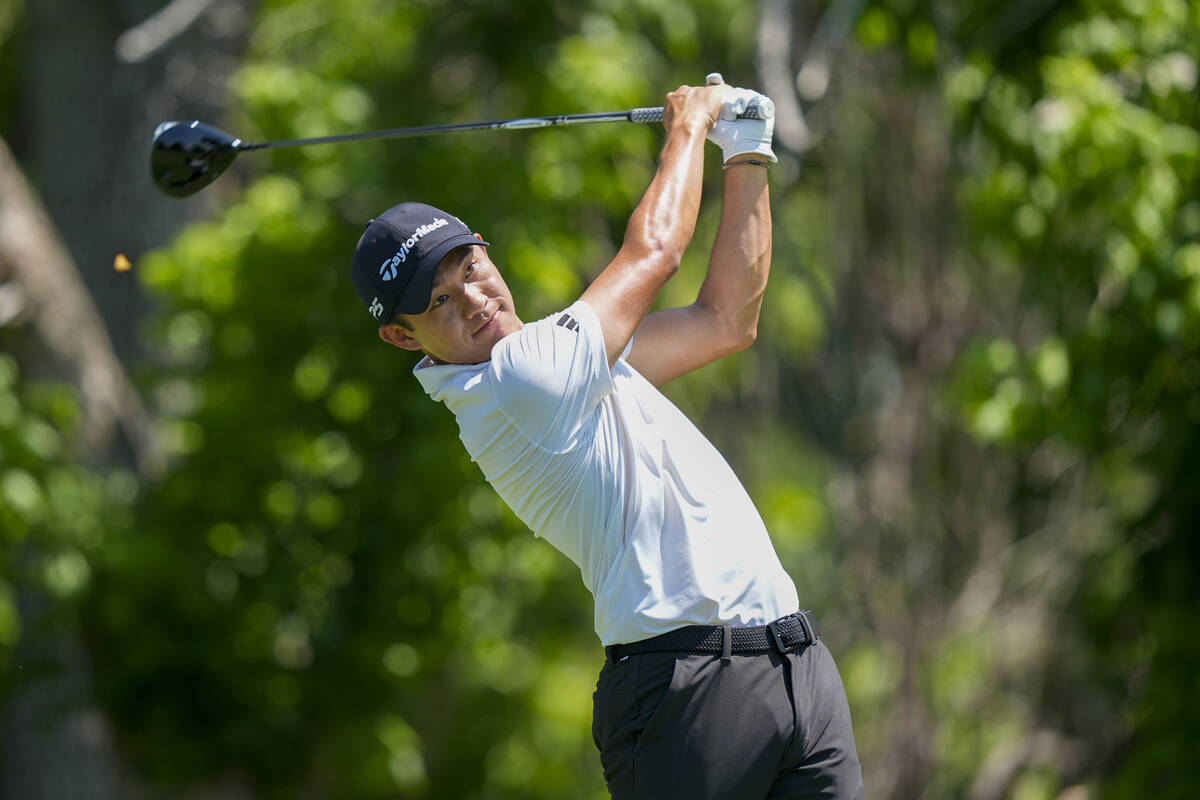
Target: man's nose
[474, 299]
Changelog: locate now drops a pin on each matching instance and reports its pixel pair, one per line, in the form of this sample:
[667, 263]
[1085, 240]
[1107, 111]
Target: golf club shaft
[634, 115]
[640, 115]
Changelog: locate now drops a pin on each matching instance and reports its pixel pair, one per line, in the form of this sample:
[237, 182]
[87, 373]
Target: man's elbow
[652, 247]
[664, 255]
[737, 337]
[743, 324]
[650, 257]
[743, 338]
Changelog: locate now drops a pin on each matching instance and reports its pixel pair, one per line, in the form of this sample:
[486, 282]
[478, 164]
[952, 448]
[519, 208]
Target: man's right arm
[663, 223]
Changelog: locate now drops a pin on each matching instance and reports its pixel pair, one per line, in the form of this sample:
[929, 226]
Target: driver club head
[187, 156]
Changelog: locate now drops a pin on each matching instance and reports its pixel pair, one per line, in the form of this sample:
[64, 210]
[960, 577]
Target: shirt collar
[448, 383]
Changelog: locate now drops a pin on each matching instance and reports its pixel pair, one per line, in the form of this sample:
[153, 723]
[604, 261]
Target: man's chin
[482, 343]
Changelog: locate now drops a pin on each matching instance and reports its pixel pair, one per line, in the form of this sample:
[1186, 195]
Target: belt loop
[726, 644]
[808, 623]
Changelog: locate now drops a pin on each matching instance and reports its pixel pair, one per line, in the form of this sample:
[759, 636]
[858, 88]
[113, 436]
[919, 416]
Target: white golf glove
[736, 136]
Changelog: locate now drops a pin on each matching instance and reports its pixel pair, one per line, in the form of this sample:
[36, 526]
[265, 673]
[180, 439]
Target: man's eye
[437, 301]
[470, 267]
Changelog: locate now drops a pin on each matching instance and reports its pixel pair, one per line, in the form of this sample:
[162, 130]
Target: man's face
[470, 309]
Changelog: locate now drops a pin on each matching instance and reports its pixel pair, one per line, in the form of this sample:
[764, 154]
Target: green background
[970, 420]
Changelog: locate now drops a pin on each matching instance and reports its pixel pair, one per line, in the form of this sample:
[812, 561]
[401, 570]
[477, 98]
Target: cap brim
[416, 296]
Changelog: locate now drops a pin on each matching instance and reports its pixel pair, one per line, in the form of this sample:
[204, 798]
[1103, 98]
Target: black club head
[187, 156]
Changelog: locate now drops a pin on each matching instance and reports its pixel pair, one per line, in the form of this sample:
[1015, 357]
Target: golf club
[187, 156]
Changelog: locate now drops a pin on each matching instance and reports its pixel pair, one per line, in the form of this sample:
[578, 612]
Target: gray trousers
[686, 725]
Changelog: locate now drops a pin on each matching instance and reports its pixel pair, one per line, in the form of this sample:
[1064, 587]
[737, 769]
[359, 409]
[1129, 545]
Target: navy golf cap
[398, 255]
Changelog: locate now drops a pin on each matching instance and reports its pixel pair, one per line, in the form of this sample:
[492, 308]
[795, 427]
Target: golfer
[715, 684]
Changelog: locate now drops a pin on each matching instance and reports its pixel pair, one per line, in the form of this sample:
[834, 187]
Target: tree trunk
[86, 113]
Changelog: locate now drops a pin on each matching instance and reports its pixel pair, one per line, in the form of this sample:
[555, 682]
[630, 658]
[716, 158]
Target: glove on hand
[736, 136]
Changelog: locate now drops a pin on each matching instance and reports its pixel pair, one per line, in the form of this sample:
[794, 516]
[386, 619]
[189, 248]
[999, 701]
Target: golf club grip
[646, 114]
[755, 110]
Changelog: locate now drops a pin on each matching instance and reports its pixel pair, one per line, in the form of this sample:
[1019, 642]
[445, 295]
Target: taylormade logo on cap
[387, 270]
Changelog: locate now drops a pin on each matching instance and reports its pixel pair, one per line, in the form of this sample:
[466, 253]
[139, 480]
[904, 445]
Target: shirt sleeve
[550, 376]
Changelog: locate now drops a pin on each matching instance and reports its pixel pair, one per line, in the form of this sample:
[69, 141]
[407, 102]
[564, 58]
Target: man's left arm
[724, 318]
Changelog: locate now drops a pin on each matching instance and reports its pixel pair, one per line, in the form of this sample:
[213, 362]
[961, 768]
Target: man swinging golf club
[715, 684]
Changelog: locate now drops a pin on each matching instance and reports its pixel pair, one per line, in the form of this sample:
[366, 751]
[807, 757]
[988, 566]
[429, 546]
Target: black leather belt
[783, 635]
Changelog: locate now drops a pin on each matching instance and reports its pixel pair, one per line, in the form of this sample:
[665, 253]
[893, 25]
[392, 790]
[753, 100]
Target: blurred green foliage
[1081, 196]
[55, 515]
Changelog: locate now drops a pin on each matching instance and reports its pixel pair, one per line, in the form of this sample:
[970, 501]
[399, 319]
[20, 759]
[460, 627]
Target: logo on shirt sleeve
[568, 322]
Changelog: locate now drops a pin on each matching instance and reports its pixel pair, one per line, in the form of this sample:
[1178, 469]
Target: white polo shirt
[611, 473]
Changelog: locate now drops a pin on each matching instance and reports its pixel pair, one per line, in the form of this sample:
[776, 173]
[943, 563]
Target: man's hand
[736, 136]
[693, 107]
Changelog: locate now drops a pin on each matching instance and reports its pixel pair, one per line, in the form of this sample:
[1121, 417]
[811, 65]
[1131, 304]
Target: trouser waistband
[783, 635]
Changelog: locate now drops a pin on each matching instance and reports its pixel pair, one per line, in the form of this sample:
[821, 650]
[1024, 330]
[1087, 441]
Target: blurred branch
[67, 320]
[773, 59]
[812, 81]
[776, 40]
[1042, 747]
[152, 34]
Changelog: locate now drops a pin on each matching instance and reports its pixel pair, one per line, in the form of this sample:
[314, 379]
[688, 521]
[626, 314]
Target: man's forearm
[664, 221]
[741, 254]
[662, 225]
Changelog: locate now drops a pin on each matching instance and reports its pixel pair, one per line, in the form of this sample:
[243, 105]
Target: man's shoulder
[539, 341]
[571, 319]
[556, 364]
[566, 319]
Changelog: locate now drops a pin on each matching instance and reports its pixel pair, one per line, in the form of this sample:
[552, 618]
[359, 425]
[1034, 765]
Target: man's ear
[394, 334]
